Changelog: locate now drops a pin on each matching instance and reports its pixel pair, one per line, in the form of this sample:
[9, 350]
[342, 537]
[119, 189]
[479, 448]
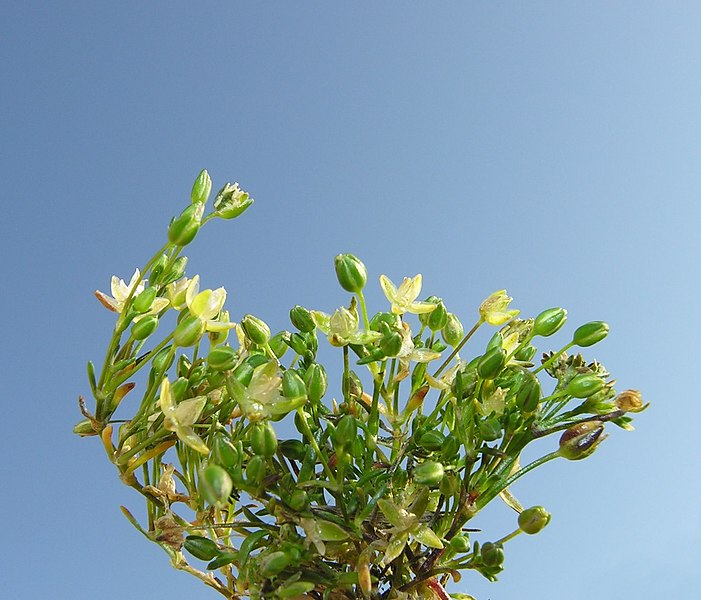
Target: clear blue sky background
[552, 148]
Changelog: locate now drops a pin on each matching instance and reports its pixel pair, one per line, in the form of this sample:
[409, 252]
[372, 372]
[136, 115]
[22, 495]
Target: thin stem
[457, 348]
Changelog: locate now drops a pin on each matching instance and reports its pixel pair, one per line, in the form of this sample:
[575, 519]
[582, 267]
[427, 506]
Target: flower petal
[388, 288]
[188, 411]
[189, 437]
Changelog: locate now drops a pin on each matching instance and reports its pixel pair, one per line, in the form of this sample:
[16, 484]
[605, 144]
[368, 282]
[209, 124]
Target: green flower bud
[317, 382]
[492, 555]
[274, 563]
[222, 358]
[529, 394]
[178, 388]
[533, 520]
[526, 353]
[351, 272]
[590, 333]
[438, 317]
[491, 364]
[298, 343]
[460, 543]
[346, 432]
[292, 385]
[301, 318]
[188, 332]
[423, 317]
[255, 470]
[201, 547]
[163, 360]
[278, 345]
[158, 268]
[452, 331]
[244, 373]
[231, 201]
[215, 485]
[299, 500]
[184, 228]
[144, 327]
[584, 385]
[579, 441]
[176, 271]
[549, 321]
[428, 473]
[224, 453]
[432, 440]
[263, 439]
[255, 329]
[201, 188]
[144, 300]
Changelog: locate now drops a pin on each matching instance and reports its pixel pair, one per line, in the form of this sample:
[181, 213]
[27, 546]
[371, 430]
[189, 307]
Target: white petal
[188, 411]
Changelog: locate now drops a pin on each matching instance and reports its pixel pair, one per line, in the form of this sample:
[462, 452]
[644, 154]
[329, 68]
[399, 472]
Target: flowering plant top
[373, 495]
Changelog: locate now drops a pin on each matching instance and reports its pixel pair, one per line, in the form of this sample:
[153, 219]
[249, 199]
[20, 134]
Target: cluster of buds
[372, 494]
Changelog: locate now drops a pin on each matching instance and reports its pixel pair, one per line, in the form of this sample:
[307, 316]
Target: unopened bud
[584, 385]
[317, 382]
[263, 439]
[201, 188]
[452, 331]
[436, 319]
[293, 386]
[428, 473]
[222, 358]
[301, 318]
[492, 554]
[184, 228]
[255, 329]
[590, 333]
[579, 441]
[188, 332]
[491, 364]
[549, 321]
[144, 300]
[391, 343]
[533, 520]
[215, 485]
[143, 328]
[351, 272]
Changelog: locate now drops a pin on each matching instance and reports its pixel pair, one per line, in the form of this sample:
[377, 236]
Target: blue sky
[551, 148]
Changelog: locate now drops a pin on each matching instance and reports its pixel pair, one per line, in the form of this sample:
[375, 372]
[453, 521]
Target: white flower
[121, 292]
[409, 352]
[181, 417]
[403, 299]
[206, 305]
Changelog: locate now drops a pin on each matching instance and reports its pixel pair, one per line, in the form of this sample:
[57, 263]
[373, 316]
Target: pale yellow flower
[403, 299]
[494, 309]
[121, 292]
[409, 352]
[342, 327]
[207, 305]
[180, 418]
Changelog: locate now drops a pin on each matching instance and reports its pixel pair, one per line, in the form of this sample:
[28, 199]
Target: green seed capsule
[452, 331]
[391, 343]
[584, 385]
[317, 382]
[491, 364]
[450, 449]
[590, 333]
[277, 344]
[298, 343]
[299, 500]
[460, 543]
[222, 358]
[293, 386]
[255, 470]
[263, 439]
[215, 485]
[184, 228]
[144, 327]
[346, 432]
[178, 388]
[549, 321]
[201, 188]
[529, 394]
[429, 473]
[144, 300]
[201, 547]
[224, 453]
[301, 318]
[256, 330]
[492, 554]
[158, 268]
[432, 440]
[438, 317]
[533, 520]
[380, 319]
[526, 353]
[188, 332]
[351, 272]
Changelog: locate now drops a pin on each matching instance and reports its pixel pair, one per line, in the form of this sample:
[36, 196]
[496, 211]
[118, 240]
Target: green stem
[553, 358]
[457, 348]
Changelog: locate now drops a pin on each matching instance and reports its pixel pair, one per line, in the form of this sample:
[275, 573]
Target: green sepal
[215, 485]
[301, 318]
[590, 333]
[184, 228]
[222, 358]
[201, 188]
[144, 327]
[143, 302]
[549, 322]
